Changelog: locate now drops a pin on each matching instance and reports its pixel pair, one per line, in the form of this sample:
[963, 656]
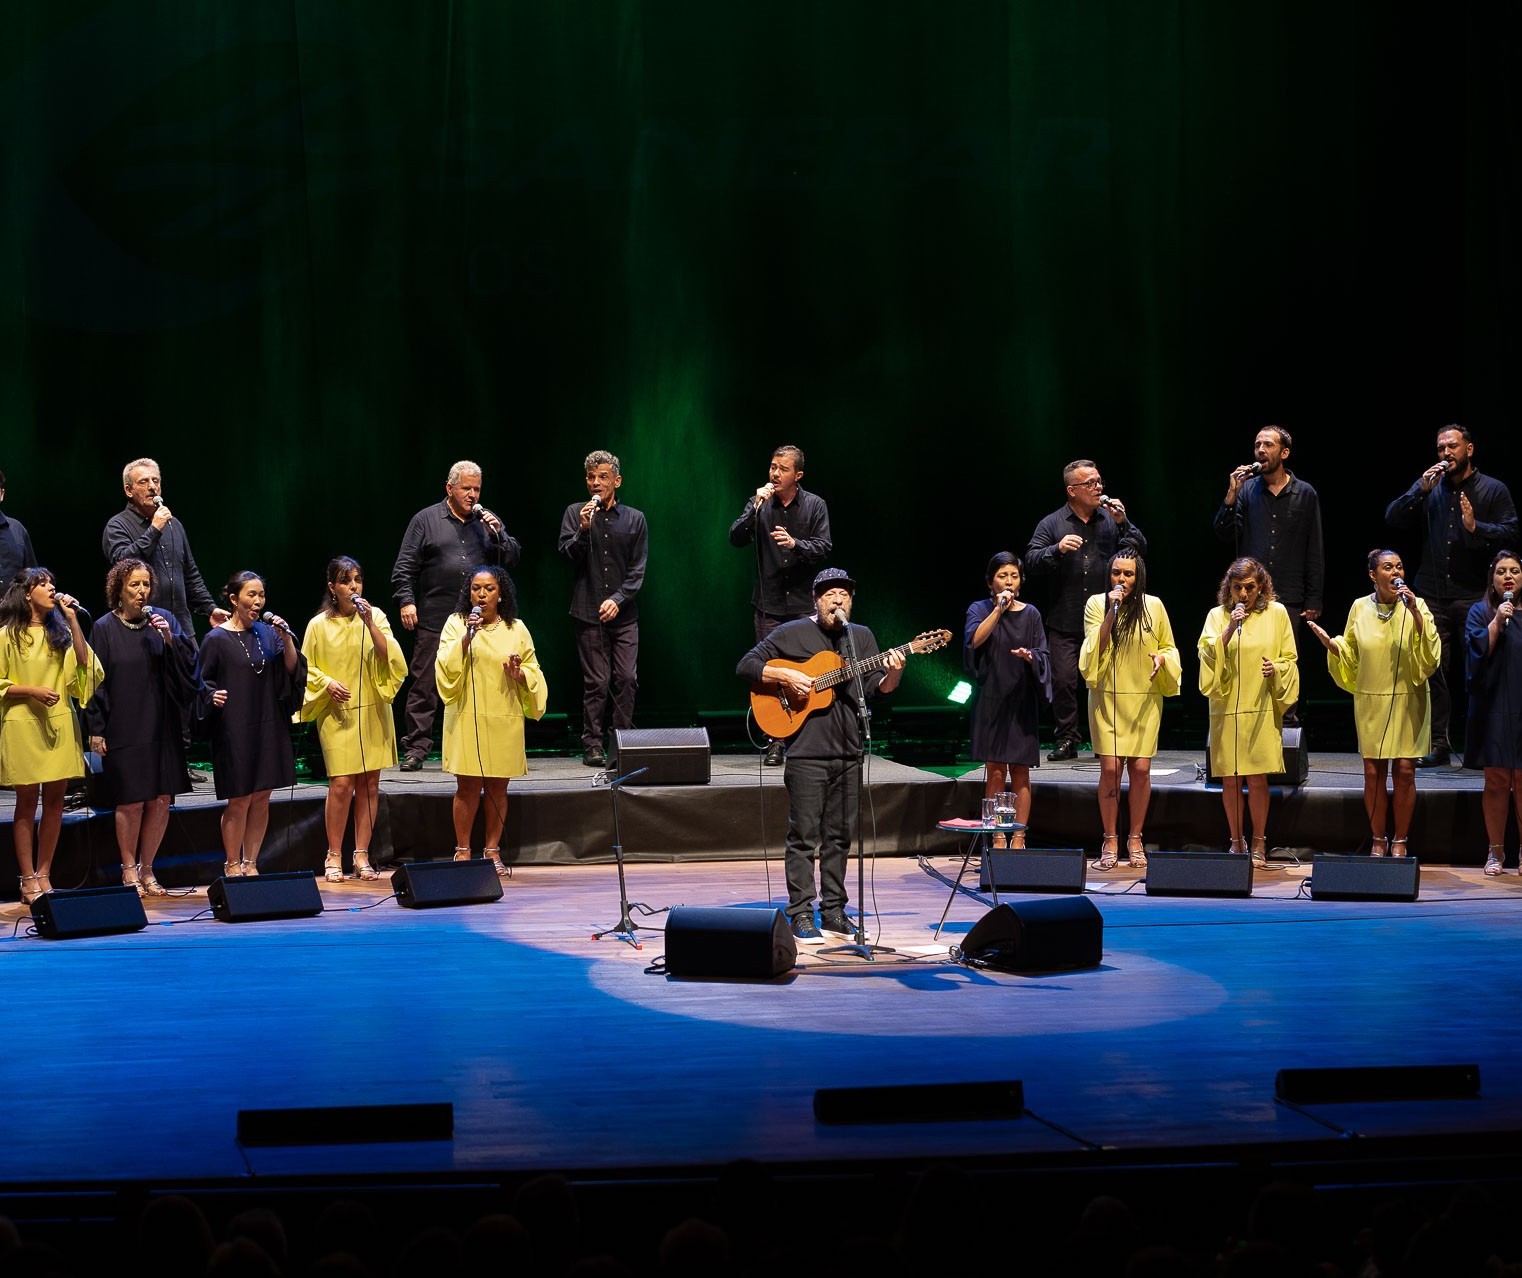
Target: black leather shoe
[1439, 758]
[412, 763]
[594, 757]
[774, 754]
[1064, 751]
[197, 777]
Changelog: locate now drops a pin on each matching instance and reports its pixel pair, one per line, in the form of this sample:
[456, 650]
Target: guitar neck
[865, 666]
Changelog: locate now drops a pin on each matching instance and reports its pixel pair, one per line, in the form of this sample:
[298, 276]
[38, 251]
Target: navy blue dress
[1011, 691]
[1494, 735]
[251, 734]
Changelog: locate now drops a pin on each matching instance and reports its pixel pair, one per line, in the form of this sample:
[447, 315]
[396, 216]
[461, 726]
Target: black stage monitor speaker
[674, 756]
[734, 941]
[428, 884]
[1364, 878]
[1038, 936]
[1340, 1086]
[1034, 870]
[1199, 874]
[63, 916]
[346, 1124]
[1297, 761]
[920, 1103]
[266, 896]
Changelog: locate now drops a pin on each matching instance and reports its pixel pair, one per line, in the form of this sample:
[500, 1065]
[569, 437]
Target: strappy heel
[130, 878]
[1109, 853]
[250, 869]
[363, 870]
[232, 870]
[1379, 847]
[333, 867]
[44, 882]
[1259, 851]
[28, 895]
[1494, 853]
[1401, 844]
[1238, 846]
[147, 884]
[494, 855]
[462, 854]
[1136, 850]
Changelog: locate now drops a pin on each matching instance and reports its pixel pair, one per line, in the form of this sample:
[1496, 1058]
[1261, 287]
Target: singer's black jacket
[785, 582]
[180, 588]
[438, 552]
[1455, 562]
[1070, 579]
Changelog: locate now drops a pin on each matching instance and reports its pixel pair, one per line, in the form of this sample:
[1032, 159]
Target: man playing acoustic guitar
[824, 754]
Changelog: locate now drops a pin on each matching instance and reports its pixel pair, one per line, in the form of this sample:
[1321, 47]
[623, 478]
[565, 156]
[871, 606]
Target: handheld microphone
[157, 500]
[148, 609]
[1107, 500]
[1505, 598]
[1255, 469]
[361, 604]
[270, 619]
[1399, 583]
[476, 611]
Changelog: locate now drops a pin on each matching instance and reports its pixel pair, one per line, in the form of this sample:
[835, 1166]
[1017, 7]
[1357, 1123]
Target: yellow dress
[1247, 710]
[357, 735]
[484, 709]
[41, 743]
[1386, 665]
[1125, 703]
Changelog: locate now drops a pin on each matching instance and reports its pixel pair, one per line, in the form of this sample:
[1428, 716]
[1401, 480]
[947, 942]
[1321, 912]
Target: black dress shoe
[1439, 758]
[412, 763]
[593, 757]
[774, 754]
[197, 777]
[1064, 751]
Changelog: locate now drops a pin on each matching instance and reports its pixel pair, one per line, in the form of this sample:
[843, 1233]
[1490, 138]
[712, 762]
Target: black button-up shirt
[785, 582]
[609, 559]
[1283, 533]
[1455, 561]
[1071, 578]
[180, 588]
[16, 550]
[439, 551]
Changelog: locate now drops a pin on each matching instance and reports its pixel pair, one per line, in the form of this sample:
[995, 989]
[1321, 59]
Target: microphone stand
[860, 946]
[626, 929]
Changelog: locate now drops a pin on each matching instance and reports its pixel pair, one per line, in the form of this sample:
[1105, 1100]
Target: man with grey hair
[148, 530]
[443, 544]
[606, 543]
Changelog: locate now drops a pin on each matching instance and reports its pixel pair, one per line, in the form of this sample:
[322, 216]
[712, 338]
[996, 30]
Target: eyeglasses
[1096, 482]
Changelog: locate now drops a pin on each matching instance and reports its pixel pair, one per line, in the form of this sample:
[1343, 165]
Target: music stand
[626, 929]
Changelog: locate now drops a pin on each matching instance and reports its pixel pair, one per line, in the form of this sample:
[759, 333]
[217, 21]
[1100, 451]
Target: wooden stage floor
[127, 1058]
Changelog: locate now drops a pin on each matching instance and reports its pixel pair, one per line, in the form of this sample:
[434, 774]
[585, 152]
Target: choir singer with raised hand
[152, 684]
[790, 528]
[1385, 657]
[44, 664]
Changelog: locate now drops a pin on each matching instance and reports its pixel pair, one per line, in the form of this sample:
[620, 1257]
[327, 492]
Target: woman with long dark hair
[1004, 650]
[1384, 656]
[1493, 664]
[256, 674]
[355, 669]
[44, 663]
[152, 682]
[1250, 672]
[1130, 662]
[490, 682]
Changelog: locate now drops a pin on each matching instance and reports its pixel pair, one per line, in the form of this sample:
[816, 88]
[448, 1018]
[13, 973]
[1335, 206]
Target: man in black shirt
[1069, 554]
[16, 550]
[1274, 516]
[1464, 517]
[607, 544]
[444, 543]
[824, 758]
[791, 532]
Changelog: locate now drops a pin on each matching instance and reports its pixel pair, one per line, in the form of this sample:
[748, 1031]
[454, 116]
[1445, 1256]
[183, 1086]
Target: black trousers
[1062, 647]
[609, 672]
[1449, 616]
[422, 697]
[822, 799]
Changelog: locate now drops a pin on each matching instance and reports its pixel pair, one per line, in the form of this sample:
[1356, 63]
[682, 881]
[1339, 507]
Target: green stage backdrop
[308, 254]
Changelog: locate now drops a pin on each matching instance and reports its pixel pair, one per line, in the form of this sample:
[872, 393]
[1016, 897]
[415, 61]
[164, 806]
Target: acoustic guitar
[780, 711]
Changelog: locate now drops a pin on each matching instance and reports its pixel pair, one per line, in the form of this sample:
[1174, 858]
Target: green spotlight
[961, 694]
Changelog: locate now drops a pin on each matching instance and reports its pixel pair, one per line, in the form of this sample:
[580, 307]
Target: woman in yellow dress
[1130, 662]
[1384, 657]
[44, 661]
[489, 681]
[1249, 670]
[355, 669]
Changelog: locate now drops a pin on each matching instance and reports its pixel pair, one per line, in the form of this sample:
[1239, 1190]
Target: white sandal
[362, 867]
[494, 855]
[1493, 860]
[333, 867]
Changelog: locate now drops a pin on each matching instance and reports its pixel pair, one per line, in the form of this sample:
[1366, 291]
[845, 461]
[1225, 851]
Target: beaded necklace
[249, 656]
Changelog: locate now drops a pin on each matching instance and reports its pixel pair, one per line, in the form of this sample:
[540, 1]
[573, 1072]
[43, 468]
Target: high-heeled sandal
[333, 867]
[44, 882]
[1109, 852]
[362, 867]
[130, 878]
[494, 855]
[250, 868]
[1379, 847]
[1401, 844]
[462, 854]
[148, 884]
[1259, 851]
[1238, 846]
[1136, 850]
[1016, 842]
[232, 870]
[29, 895]
[1494, 853]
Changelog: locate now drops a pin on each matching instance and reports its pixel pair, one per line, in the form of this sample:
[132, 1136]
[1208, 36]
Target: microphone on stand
[839, 615]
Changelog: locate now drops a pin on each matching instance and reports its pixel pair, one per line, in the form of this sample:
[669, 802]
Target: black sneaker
[804, 929]
[412, 763]
[835, 923]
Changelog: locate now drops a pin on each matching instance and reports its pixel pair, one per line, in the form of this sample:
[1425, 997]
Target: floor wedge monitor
[1199, 874]
[1365, 878]
[427, 885]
